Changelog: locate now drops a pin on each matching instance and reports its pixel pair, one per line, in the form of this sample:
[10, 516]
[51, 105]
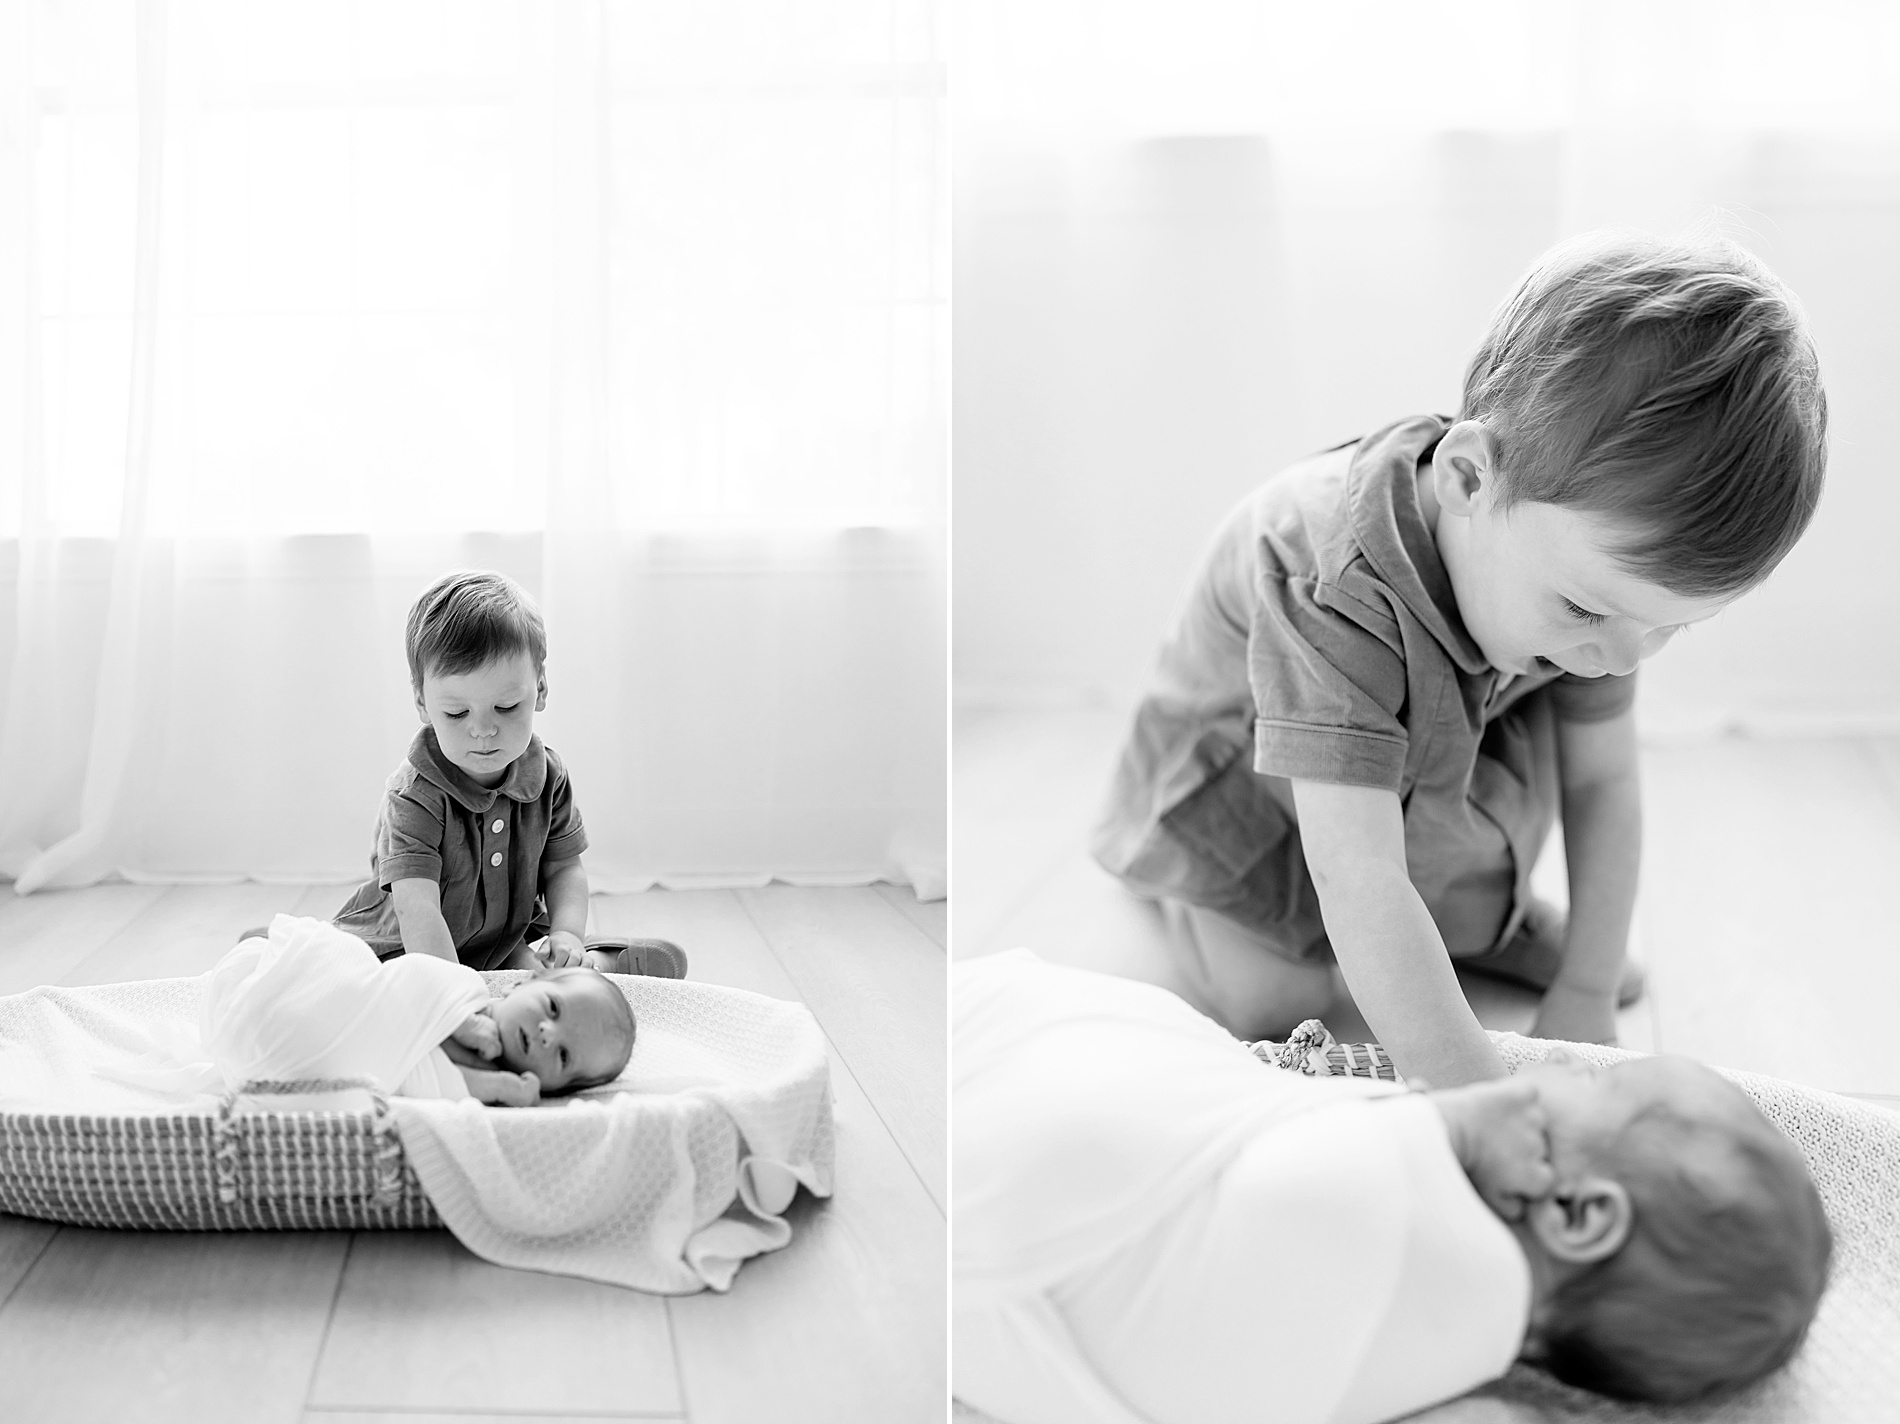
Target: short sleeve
[409, 835]
[1327, 688]
[1592, 699]
[567, 837]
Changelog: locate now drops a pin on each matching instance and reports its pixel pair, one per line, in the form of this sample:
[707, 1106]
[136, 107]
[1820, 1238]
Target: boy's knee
[1274, 1005]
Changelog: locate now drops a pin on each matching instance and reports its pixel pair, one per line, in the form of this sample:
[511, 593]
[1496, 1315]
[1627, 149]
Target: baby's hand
[517, 1090]
[479, 1033]
[1497, 1130]
[561, 949]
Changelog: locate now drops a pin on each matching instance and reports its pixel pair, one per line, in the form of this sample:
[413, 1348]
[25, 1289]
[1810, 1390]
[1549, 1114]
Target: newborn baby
[562, 1030]
[1676, 1243]
[310, 1002]
[1149, 1224]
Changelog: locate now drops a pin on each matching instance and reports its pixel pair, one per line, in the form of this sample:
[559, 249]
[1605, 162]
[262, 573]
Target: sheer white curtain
[306, 304]
[1198, 240]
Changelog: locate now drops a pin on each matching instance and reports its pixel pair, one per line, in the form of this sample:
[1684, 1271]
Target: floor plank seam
[168, 892]
[679, 1365]
[32, 1265]
[329, 1316]
[843, 1058]
[1051, 868]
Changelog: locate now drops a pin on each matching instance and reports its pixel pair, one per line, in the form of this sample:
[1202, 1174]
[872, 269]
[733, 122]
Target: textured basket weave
[1312, 1050]
[292, 1171]
[216, 1170]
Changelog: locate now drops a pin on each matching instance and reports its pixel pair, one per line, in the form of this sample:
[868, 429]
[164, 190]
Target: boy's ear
[421, 710]
[1583, 1222]
[1462, 465]
[541, 691]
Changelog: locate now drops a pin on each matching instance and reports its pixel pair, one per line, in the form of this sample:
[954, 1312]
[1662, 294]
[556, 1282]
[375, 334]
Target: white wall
[1144, 330]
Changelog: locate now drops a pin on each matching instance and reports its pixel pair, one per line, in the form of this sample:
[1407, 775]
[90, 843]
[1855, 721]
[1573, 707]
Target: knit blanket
[665, 1180]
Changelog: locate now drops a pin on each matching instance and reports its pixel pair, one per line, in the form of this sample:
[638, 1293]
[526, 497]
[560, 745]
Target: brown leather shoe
[655, 958]
[1535, 953]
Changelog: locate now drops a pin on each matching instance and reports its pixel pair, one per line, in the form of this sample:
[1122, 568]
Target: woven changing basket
[211, 1171]
[1312, 1050]
[216, 1169]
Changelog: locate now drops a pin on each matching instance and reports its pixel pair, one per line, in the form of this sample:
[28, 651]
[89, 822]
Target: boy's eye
[1584, 615]
[455, 716]
[509, 708]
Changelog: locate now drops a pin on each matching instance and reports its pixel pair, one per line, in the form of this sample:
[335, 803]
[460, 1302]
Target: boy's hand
[560, 949]
[1576, 1015]
[480, 1034]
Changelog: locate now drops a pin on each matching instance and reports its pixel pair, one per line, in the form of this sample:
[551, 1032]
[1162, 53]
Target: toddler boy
[479, 842]
[1404, 657]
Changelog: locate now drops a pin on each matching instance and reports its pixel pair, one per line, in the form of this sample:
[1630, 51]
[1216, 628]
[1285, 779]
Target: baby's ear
[1583, 1222]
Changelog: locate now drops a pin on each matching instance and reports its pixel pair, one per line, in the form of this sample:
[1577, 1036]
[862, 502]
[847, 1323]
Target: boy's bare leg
[1241, 982]
[1085, 917]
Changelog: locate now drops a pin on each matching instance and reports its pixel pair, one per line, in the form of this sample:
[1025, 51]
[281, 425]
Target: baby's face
[1558, 1134]
[483, 718]
[1539, 586]
[560, 1029]
[1586, 1107]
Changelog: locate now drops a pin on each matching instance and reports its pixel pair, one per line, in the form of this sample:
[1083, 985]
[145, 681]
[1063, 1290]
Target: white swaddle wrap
[313, 1001]
[1151, 1226]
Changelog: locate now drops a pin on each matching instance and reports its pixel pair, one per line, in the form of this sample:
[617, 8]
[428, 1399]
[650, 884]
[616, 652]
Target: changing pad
[664, 1180]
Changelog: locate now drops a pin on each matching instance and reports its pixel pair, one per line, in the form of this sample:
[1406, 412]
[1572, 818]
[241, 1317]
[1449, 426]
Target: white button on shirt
[495, 859]
[499, 826]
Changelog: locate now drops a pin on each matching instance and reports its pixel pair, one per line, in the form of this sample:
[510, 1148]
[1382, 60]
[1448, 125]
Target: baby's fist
[519, 1090]
[479, 1034]
[1497, 1130]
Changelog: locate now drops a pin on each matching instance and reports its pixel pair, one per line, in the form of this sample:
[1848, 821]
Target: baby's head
[1682, 1249]
[477, 653]
[1642, 439]
[570, 1027]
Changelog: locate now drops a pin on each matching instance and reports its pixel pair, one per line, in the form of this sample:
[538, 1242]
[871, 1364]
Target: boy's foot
[1532, 958]
[655, 958]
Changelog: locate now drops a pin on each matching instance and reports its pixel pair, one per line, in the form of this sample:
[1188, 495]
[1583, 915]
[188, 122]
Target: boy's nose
[1619, 652]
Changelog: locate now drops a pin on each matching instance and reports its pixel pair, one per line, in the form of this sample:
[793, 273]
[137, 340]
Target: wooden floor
[1766, 918]
[844, 1324]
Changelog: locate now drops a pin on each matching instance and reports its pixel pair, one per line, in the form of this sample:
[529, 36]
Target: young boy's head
[1642, 439]
[1682, 1249]
[477, 649]
[570, 1027]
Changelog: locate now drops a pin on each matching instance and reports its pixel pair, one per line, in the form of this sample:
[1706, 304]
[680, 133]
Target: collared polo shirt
[1321, 641]
[486, 847]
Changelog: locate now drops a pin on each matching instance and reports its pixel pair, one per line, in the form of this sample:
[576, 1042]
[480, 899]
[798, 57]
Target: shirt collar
[1382, 499]
[527, 774]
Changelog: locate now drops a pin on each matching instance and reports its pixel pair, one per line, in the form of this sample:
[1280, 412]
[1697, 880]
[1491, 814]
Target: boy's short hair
[1671, 387]
[466, 620]
[1722, 1272]
[620, 1018]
